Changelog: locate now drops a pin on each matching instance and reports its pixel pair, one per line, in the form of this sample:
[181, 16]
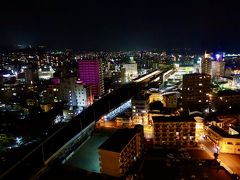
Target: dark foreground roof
[118, 140]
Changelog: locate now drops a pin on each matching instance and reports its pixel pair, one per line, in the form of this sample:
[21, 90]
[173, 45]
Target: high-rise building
[75, 93]
[90, 72]
[196, 90]
[206, 64]
[217, 68]
[140, 103]
[129, 71]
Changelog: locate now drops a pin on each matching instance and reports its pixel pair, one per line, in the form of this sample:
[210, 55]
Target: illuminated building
[140, 107]
[206, 64]
[129, 71]
[226, 100]
[118, 153]
[225, 142]
[174, 130]
[217, 68]
[90, 72]
[170, 100]
[199, 127]
[46, 72]
[155, 96]
[196, 88]
[75, 93]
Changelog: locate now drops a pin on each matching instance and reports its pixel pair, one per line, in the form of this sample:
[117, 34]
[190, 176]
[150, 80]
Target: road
[231, 162]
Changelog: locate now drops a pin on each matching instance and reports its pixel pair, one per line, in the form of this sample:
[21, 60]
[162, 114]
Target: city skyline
[122, 25]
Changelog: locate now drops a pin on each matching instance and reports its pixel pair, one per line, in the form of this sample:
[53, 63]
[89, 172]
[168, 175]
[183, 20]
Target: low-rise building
[225, 142]
[174, 130]
[121, 150]
[227, 99]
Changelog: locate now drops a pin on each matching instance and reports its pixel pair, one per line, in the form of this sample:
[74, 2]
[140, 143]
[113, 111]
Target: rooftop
[223, 133]
[118, 140]
[228, 92]
[173, 119]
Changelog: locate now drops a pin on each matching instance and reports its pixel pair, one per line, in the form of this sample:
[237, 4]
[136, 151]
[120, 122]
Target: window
[230, 143]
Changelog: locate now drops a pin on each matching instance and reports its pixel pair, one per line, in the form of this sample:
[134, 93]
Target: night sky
[121, 25]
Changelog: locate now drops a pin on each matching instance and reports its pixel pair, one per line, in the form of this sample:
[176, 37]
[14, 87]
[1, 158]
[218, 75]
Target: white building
[46, 72]
[75, 93]
[129, 71]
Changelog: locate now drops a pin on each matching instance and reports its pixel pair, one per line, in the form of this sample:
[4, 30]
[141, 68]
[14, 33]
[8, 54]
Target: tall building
[129, 71]
[90, 72]
[121, 150]
[217, 68]
[196, 90]
[140, 103]
[206, 64]
[75, 93]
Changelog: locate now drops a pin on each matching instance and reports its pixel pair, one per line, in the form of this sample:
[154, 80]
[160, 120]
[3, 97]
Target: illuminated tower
[206, 64]
[90, 72]
[129, 71]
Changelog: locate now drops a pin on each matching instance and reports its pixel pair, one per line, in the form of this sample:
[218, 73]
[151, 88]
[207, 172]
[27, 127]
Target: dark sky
[121, 25]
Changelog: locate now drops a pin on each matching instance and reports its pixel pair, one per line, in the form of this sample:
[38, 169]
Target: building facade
[121, 150]
[174, 131]
[90, 72]
[206, 64]
[129, 71]
[225, 142]
[217, 68]
[140, 107]
[196, 90]
[226, 100]
[170, 100]
[75, 93]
